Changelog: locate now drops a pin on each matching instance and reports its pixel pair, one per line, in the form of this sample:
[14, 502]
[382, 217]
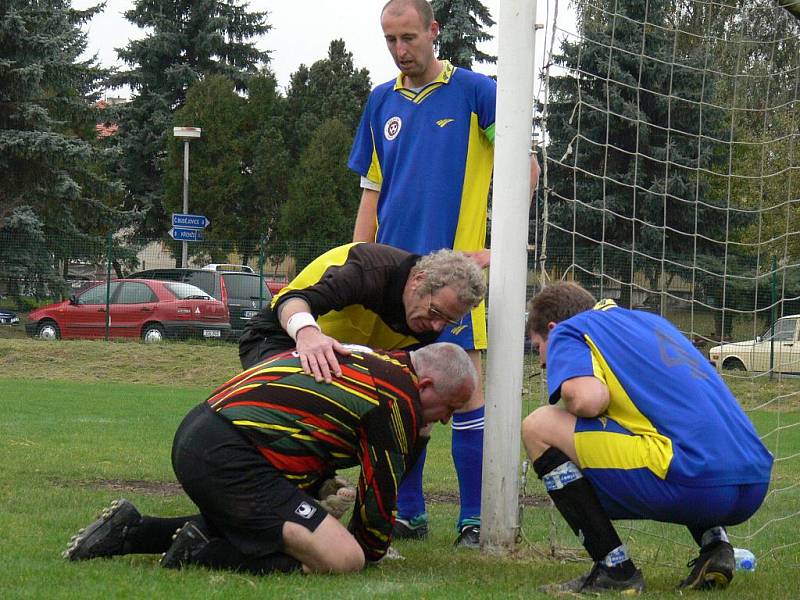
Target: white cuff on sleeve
[370, 185]
[299, 320]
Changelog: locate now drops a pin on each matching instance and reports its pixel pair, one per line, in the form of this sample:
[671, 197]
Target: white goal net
[670, 145]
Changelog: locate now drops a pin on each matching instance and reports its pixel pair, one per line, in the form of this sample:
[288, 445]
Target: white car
[781, 350]
[228, 267]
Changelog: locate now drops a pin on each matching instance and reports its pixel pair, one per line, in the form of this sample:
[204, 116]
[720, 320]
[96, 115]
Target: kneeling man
[254, 455]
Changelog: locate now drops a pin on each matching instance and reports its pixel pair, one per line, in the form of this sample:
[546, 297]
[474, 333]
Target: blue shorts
[640, 494]
[470, 333]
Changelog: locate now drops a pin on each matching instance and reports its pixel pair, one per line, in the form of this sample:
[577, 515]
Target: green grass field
[87, 422]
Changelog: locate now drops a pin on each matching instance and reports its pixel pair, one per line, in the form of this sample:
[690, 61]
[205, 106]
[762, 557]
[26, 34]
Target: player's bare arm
[585, 396]
[367, 217]
[316, 350]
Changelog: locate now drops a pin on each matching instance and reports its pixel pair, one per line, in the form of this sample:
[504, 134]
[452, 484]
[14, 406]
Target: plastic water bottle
[745, 560]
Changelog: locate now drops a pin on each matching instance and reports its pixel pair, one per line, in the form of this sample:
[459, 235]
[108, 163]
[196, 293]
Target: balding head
[422, 8]
[447, 379]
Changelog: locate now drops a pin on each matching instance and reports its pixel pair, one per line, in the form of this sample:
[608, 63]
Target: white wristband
[299, 320]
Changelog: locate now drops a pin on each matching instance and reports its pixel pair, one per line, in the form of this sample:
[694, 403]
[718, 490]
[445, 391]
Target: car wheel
[152, 333]
[733, 364]
[48, 330]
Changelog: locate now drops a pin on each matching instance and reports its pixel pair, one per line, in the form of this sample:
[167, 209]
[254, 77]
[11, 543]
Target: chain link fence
[34, 273]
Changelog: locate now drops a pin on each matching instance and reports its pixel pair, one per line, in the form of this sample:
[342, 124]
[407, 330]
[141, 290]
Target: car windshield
[784, 330]
[186, 291]
[245, 286]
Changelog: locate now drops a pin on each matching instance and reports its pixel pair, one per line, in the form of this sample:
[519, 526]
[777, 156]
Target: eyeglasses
[436, 313]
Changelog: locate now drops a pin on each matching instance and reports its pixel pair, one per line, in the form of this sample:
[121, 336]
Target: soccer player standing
[424, 150]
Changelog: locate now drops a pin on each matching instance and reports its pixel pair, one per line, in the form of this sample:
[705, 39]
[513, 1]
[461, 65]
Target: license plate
[212, 333]
[249, 314]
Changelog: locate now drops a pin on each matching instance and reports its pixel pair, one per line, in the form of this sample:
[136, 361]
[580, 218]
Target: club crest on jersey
[304, 510]
[392, 128]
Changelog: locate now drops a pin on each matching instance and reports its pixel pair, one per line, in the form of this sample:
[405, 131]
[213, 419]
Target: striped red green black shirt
[370, 416]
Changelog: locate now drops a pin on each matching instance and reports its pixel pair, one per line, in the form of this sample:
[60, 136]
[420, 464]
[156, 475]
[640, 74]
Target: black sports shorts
[237, 491]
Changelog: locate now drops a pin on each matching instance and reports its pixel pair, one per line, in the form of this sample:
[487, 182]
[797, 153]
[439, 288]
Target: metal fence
[33, 275]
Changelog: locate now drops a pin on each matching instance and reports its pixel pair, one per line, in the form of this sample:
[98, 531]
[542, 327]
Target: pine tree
[330, 89]
[630, 125]
[462, 24]
[53, 186]
[187, 41]
[265, 158]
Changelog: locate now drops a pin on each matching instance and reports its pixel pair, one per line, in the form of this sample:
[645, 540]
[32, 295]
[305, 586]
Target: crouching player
[251, 455]
[647, 430]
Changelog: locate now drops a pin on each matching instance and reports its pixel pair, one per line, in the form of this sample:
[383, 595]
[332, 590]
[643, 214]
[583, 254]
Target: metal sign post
[186, 134]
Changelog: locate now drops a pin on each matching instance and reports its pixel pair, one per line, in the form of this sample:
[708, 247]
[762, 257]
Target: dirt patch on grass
[136, 486]
[173, 488]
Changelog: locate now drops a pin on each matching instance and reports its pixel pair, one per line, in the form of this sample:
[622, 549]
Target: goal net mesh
[669, 138]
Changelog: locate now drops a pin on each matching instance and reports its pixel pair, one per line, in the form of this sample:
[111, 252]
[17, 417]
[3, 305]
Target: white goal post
[510, 209]
[670, 154]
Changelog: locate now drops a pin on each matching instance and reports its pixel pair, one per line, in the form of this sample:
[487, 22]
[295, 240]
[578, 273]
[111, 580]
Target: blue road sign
[190, 221]
[186, 235]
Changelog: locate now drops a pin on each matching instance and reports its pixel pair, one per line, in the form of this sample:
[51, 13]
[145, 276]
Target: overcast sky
[301, 32]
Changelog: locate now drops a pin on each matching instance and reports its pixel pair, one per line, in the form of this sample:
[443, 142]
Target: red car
[275, 283]
[140, 308]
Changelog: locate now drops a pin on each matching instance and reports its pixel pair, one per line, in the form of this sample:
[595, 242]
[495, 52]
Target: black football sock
[153, 535]
[219, 553]
[709, 536]
[577, 502]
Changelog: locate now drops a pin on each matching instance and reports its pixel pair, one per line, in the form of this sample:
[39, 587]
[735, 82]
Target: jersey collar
[444, 77]
[605, 304]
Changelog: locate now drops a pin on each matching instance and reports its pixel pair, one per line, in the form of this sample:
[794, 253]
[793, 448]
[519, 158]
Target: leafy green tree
[265, 159]
[330, 89]
[54, 186]
[462, 24]
[238, 169]
[764, 162]
[323, 194]
[216, 178]
[756, 45]
[187, 40]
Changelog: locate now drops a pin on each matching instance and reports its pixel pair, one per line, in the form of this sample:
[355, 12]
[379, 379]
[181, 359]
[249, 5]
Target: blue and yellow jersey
[677, 417]
[432, 151]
